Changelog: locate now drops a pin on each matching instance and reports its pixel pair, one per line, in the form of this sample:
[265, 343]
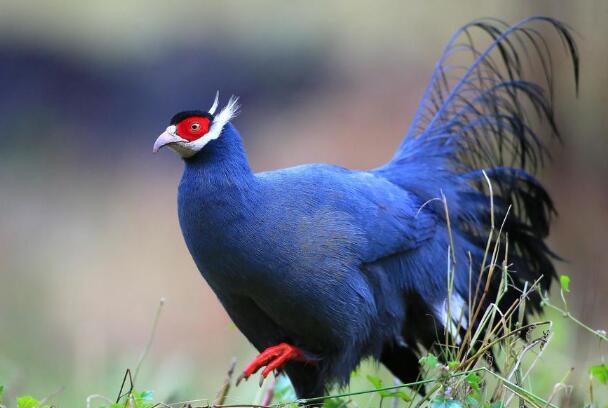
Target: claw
[261, 382]
[239, 379]
[272, 359]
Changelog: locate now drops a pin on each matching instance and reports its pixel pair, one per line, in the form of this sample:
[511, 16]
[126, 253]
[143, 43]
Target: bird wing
[382, 218]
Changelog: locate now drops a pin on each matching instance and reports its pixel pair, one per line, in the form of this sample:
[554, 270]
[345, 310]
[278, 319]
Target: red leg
[273, 358]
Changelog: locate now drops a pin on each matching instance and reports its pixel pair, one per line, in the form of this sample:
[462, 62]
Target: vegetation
[460, 377]
[493, 366]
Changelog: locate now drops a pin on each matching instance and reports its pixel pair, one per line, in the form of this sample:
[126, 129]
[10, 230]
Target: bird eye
[192, 127]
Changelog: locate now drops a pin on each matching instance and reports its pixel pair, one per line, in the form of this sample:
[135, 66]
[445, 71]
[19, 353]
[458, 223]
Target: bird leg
[273, 358]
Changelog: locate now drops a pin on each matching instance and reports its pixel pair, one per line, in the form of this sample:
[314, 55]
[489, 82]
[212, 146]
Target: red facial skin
[193, 127]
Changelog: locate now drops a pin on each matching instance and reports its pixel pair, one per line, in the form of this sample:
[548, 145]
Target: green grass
[457, 376]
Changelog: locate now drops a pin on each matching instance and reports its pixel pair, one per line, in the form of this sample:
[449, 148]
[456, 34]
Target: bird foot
[272, 358]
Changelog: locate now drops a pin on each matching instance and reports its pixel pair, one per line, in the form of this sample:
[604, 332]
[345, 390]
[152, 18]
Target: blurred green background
[89, 239]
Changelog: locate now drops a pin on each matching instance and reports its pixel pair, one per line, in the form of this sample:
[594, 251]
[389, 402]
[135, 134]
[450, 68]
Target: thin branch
[599, 333]
[150, 338]
[223, 392]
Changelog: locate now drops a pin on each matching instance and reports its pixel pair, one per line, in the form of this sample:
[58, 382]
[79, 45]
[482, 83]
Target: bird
[321, 266]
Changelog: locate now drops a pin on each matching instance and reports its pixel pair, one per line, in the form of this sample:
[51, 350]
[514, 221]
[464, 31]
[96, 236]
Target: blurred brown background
[89, 239]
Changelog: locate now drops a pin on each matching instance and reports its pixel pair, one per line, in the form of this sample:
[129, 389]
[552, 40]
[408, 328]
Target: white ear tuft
[231, 110]
[219, 121]
[215, 103]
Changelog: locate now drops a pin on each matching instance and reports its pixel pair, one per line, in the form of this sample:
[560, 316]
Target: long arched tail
[484, 114]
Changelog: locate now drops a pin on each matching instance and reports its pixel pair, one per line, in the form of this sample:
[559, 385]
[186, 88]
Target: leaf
[429, 360]
[471, 402]
[137, 399]
[564, 280]
[398, 394]
[444, 403]
[27, 401]
[335, 403]
[1, 393]
[600, 372]
[473, 380]
[145, 395]
[375, 381]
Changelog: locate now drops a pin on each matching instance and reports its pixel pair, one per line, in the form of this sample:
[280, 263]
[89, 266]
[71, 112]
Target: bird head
[189, 131]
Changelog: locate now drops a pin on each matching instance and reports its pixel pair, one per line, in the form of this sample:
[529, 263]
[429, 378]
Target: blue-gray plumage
[333, 265]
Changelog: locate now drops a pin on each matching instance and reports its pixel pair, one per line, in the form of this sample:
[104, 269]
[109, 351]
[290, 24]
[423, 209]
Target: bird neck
[222, 162]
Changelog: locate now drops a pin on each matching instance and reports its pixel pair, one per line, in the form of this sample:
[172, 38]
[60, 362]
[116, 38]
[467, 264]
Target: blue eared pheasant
[321, 266]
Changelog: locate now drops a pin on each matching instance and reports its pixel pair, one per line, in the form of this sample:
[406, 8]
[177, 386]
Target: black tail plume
[485, 114]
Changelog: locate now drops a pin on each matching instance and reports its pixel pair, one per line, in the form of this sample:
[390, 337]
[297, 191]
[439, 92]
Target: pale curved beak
[167, 137]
